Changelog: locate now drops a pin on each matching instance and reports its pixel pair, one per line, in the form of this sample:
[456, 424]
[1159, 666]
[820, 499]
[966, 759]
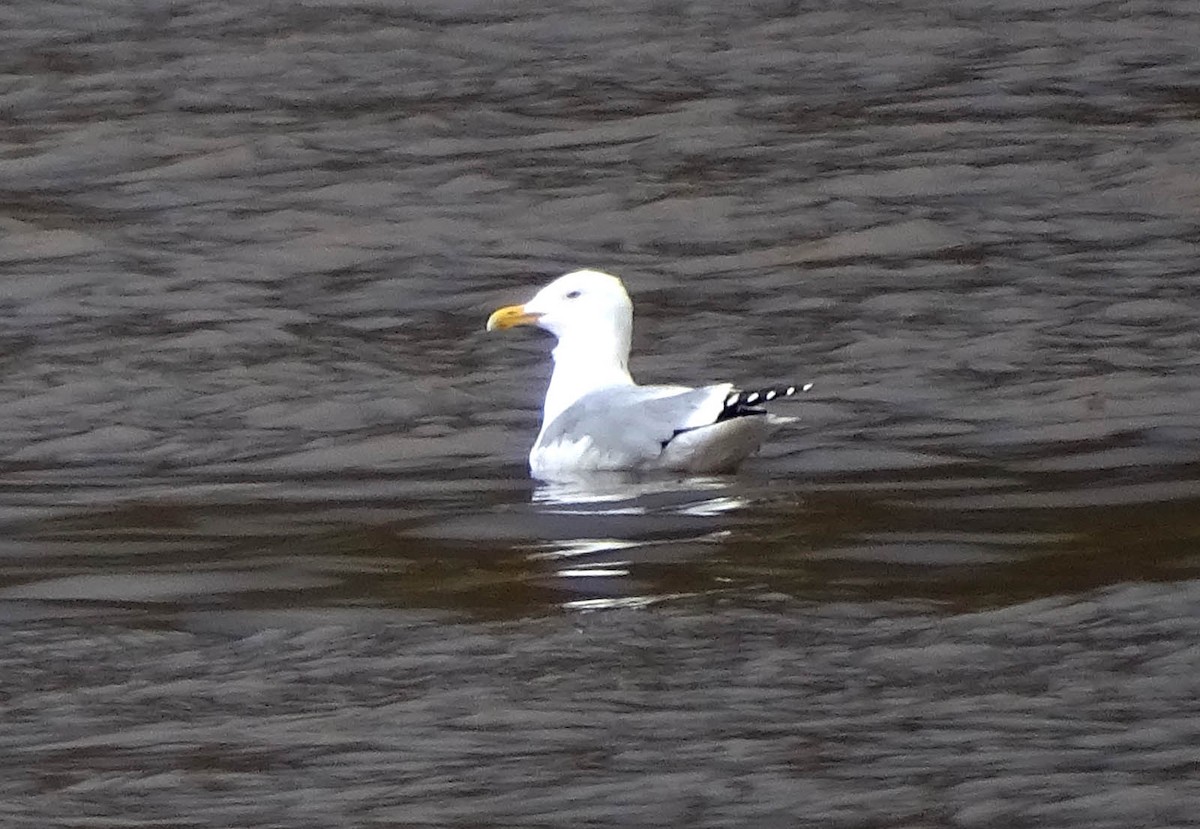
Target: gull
[595, 418]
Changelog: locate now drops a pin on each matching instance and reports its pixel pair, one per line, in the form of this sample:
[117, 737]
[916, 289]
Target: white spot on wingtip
[771, 395]
[791, 390]
[806, 387]
[752, 398]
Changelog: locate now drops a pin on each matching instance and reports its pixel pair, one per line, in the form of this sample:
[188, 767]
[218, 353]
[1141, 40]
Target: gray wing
[634, 423]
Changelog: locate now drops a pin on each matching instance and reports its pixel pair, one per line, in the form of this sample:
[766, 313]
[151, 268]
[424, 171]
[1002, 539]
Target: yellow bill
[510, 317]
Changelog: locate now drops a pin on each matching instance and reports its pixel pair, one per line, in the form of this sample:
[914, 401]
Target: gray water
[269, 552]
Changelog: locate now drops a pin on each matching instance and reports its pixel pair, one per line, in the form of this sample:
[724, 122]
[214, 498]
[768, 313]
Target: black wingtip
[739, 403]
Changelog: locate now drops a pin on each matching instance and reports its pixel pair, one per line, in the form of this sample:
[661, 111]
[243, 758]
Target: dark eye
[575, 295]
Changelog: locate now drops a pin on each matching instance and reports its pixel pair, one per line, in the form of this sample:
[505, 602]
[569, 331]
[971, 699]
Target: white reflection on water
[583, 547]
[621, 602]
[614, 496]
[620, 488]
[620, 530]
[592, 572]
[714, 506]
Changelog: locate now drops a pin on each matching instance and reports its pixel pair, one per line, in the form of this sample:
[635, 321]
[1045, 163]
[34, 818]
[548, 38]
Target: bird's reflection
[624, 536]
[616, 493]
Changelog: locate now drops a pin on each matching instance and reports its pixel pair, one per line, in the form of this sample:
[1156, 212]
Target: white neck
[583, 363]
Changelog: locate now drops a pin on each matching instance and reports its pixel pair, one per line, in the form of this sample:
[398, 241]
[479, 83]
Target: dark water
[269, 554]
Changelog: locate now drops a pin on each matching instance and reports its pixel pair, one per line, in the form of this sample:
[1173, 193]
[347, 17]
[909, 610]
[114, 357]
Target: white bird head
[580, 307]
[592, 317]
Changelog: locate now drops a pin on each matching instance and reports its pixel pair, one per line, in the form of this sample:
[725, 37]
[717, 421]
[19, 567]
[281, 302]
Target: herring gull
[597, 419]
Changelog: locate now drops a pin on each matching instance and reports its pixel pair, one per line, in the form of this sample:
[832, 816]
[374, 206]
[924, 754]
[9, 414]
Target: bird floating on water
[597, 419]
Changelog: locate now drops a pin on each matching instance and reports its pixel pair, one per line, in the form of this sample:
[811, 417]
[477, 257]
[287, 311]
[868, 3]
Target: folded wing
[706, 429]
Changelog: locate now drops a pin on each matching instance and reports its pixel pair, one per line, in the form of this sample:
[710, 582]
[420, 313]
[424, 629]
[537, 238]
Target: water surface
[269, 553]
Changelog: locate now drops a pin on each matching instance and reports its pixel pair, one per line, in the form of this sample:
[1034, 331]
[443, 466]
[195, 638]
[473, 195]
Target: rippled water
[249, 406]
